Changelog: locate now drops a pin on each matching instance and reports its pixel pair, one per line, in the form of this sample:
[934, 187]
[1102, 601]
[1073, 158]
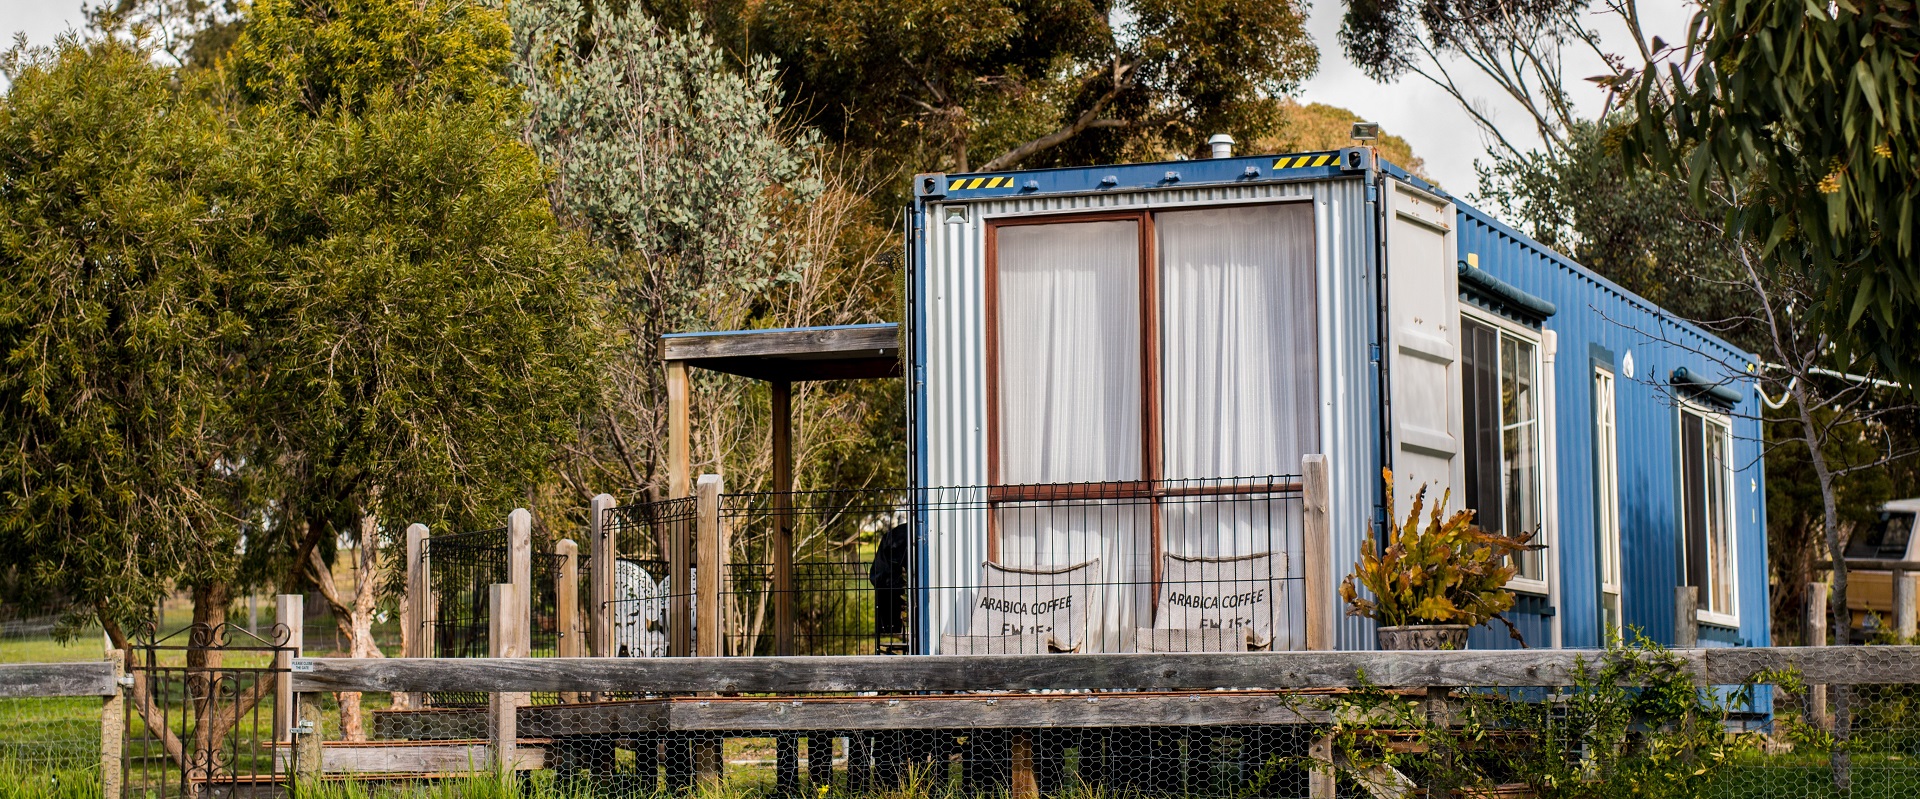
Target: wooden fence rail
[1197, 671]
[37, 680]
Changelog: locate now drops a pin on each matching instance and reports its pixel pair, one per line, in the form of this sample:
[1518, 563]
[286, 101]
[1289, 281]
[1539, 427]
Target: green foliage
[232, 325]
[425, 329]
[1445, 571]
[1042, 82]
[1636, 228]
[1634, 723]
[119, 333]
[714, 214]
[661, 153]
[325, 54]
[1812, 108]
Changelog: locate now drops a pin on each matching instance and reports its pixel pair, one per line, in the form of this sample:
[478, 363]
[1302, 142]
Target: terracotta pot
[1422, 637]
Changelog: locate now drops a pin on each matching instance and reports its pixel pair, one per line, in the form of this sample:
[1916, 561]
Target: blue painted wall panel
[1597, 320]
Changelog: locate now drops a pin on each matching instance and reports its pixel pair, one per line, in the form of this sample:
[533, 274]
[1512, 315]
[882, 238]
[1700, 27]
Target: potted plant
[1435, 580]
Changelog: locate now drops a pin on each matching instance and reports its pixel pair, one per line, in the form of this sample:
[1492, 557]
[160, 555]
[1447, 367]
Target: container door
[1423, 299]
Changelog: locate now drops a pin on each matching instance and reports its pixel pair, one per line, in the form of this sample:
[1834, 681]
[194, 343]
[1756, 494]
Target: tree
[1638, 229]
[1318, 126]
[425, 328]
[1517, 44]
[931, 81]
[323, 55]
[125, 463]
[1813, 108]
[714, 213]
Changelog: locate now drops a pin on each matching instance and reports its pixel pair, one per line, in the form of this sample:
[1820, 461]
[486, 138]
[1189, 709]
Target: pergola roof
[838, 352]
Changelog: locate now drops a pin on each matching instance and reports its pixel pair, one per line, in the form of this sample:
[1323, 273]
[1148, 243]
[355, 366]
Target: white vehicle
[1891, 538]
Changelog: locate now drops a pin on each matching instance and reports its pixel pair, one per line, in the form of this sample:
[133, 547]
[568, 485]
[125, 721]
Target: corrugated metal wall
[949, 366]
[1597, 321]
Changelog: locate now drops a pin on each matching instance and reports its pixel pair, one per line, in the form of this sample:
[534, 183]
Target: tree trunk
[1839, 760]
[360, 643]
[204, 659]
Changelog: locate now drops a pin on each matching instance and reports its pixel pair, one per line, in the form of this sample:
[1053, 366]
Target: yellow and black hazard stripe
[1295, 161]
[995, 182]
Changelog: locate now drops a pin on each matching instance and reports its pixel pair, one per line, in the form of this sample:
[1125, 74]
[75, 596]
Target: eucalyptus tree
[676, 162]
[994, 84]
[1814, 107]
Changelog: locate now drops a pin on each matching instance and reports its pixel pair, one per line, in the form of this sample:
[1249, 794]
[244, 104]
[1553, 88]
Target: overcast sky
[1440, 131]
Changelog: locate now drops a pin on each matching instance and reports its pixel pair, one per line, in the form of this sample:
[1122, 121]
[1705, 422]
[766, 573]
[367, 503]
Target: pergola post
[679, 451]
[782, 517]
[679, 543]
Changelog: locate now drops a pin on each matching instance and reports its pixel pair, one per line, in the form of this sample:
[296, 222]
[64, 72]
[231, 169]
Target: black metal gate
[200, 715]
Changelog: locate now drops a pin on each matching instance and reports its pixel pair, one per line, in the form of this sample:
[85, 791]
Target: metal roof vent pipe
[1222, 145]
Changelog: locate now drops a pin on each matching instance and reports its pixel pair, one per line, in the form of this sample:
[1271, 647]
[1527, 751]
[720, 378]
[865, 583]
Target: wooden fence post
[712, 559]
[603, 554]
[1903, 595]
[113, 730]
[415, 634]
[566, 605]
[1322, 779]
[307, 749]
[1817, 636]
[708, 764]
[1316, 557]
[679, 442]
[1686, 617]
[520, 573]
[503, 707]
[289, 610]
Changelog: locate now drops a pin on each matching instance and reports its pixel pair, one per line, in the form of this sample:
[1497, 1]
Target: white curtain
[1240, 364]
[1069, 352]
[1069, 383]
[1239, 378]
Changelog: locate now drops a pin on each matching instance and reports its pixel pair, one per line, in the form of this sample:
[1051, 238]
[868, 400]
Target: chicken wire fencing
[49, 745]
[1632, 722]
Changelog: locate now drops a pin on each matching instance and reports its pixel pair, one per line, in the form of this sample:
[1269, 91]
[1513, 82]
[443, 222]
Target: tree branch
[1122, 80]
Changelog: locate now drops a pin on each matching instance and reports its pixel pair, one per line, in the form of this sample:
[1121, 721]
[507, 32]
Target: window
[1886, 540]
[1606, 500]
[1706, 474]
[1200, 365]
[1127, 350]
[1501, 404]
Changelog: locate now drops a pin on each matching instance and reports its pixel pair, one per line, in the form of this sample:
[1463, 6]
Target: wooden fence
[782, 683]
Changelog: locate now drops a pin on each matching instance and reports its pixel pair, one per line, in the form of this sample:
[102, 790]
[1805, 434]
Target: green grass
[19, 781]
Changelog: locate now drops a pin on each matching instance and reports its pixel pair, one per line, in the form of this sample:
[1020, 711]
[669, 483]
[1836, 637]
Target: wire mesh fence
[1639, 721]
[1636, 721]
[464, 566]
[50, 746]
[1168, 565]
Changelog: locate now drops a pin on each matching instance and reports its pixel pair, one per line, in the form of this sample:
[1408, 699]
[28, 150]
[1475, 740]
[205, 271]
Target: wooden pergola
[781, 357]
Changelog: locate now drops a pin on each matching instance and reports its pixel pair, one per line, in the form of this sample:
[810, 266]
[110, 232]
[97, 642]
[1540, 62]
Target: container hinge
[1373, 353]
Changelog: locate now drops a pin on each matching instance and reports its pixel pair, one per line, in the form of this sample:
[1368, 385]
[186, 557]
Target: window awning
[1502, 297]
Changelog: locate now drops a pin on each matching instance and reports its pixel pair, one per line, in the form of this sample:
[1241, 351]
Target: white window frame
[1712, 416]
[1606, 498]
[1541, 423]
